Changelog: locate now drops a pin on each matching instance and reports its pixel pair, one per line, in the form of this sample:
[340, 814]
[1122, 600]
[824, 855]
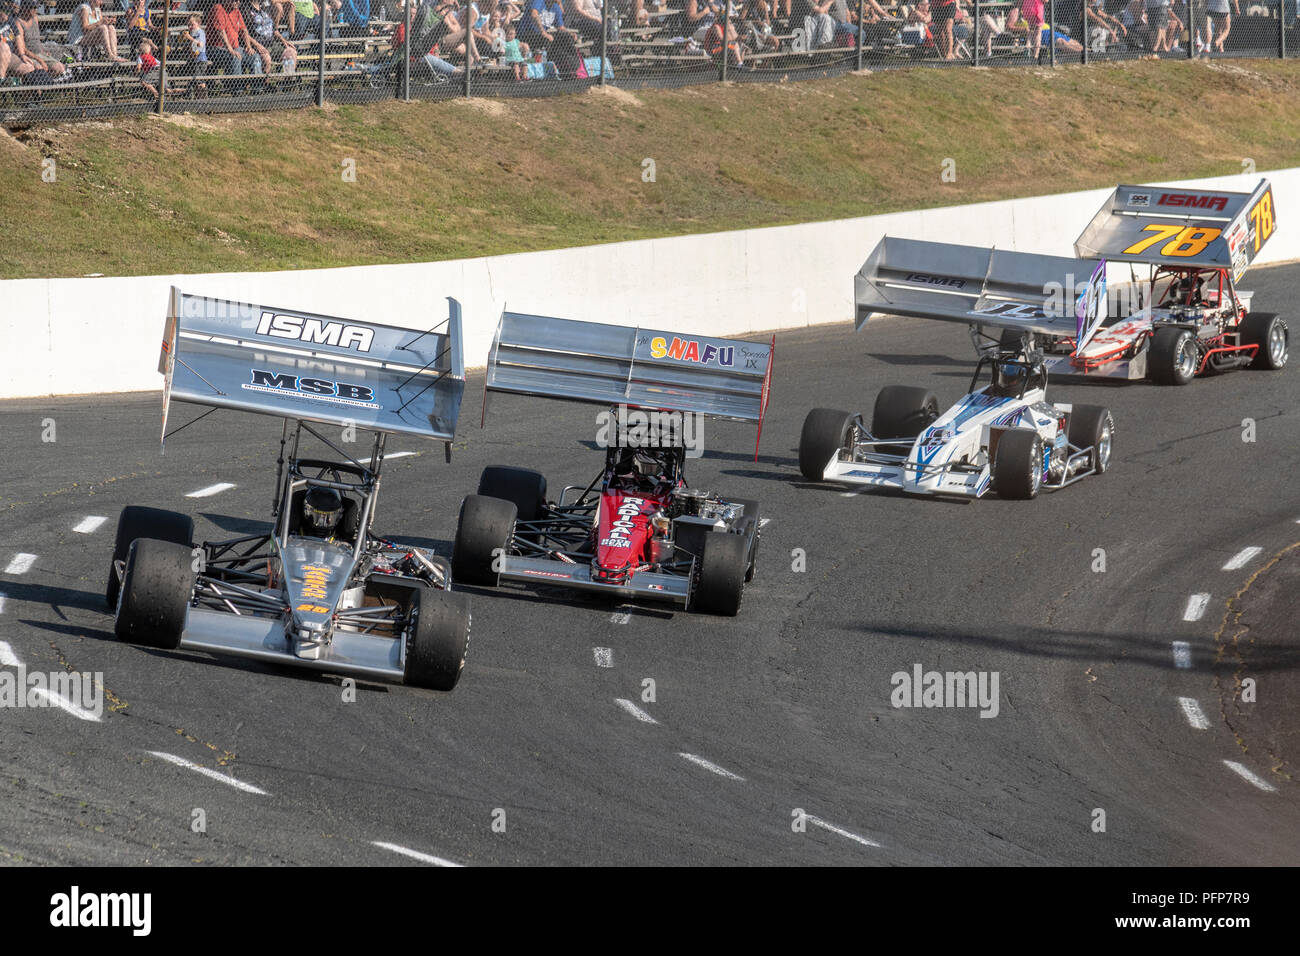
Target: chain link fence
[76, 59]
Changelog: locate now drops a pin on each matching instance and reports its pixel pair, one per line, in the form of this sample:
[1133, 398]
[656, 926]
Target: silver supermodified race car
[1180, 316]
[636, 530]
[320, 589]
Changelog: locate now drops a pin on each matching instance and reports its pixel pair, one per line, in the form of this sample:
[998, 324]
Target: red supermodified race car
[637, 530]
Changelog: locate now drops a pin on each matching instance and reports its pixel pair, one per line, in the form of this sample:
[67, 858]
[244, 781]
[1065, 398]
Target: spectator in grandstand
[814, 17]
[846, 20]
[541, 22]
[27, 34]
[584, 17]
[942, 15]
[89, 28]
[1098, 19]
[194, 39]
[140, 26]
[226, 29]
[263, 39]
[756, 17]
[990, 27]
[1158, 21]
[515, 54]
[304, 18]
[713, 43]
[11, 62]
[1221, 21]
[146, 66]
[1026, 16]
[354, 15]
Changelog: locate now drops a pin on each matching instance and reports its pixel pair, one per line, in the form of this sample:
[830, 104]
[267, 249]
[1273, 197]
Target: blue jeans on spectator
[235, 63]
[438, 65]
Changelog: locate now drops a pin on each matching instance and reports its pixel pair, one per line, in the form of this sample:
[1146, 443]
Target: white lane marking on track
[209, 772]
[620, 617]
[89, 524]
[66, 705]
[763, 523]
[399, 454]
[21, 563]
[414, 854]
[1182, 655]
[635, 711]
[1241, 559]
[2, 602]
[7, 656]
[1196, 605]
[712, 767]
[1192, 711]
[604, 656]
[850, 494]
[1249, 776]
[211, 490]
[839, 831]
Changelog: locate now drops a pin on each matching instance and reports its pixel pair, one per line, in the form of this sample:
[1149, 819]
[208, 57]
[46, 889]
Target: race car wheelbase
[1018, 464]
[1092, 426]
[720, 573]
[825, 432]
[903, 411]
[436, 647]
[1271, 334]
[156, 592]
[485, 527]
[1173, 357]
[523, 487]
[137, 521]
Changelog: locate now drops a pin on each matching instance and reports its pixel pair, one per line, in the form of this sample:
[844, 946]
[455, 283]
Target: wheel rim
[1277, 343]
[1103, 448]
[1036, 468]
[1185, 364]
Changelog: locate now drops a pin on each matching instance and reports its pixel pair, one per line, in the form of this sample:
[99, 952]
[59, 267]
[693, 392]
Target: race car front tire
[1092, 426]
[1018, 464]
[436, 648]
[522, 487]
[903, 411]
[140, 522]
[720, 574]
[825, 432]
[1271, 334]
[1172, 358]
[482, 537]
[750, 524]
[156, 592]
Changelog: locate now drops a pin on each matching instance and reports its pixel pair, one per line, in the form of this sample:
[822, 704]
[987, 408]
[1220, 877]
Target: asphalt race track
[1111, 698]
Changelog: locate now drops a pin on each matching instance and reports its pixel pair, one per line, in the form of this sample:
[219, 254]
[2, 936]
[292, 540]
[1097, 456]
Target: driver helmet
[1010, 375]
[321, 510]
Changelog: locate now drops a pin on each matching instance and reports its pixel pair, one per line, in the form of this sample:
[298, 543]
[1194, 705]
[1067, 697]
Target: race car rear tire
[903, 411]
[1092, 426]
[1271, 334]
[522, 487]
[749, 526]
[825, 432]
[1018, 464]
[156, 593]
[720, 574]
[484, 527]
[137, 521]
[1172, 357]
[436, 648]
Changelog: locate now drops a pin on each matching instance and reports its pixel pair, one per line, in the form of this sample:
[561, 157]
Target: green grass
[467, 178]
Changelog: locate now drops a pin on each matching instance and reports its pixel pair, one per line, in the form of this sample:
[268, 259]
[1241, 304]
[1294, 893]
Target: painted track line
[1192, 711]
[399, 454]
[7, 656]
[1196, 605]
[1182, 655]
[209, 772]
[66, 705]
[712, 767]
[21, 563]
[1242, 558]
[604, 656]
[1249, 776]
[2, 602]
[620, 617]
[211, 490]
[839, 831]
[89, 524]
[414, 854]
[635, 711]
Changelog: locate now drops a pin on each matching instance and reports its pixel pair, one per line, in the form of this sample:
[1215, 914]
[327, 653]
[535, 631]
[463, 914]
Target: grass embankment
[447, 180]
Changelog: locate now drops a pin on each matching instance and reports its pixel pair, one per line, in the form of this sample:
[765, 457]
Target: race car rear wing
[1184, 228]
[973, 285]
[643, 368]
[315, 368]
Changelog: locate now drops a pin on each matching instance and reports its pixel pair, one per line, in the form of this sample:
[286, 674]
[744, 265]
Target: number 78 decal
[1179, 241]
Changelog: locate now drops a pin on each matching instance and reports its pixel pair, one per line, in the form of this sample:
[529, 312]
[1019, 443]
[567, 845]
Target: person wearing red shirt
[225, 31]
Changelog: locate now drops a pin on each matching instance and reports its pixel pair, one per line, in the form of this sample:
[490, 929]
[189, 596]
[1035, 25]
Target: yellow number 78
[1179, 241]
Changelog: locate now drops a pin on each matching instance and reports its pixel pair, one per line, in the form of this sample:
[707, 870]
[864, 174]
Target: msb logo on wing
[318, 389]
[316, 331]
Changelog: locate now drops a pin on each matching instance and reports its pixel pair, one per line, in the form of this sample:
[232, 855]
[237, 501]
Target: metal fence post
[726, 25]
[862, 31]
[1281, 29]
[406, 60]
[162, 55]
[469, 48]
[604, 38]
[977, 23]
[1191, 29]
[320, 55]
[1051, 32]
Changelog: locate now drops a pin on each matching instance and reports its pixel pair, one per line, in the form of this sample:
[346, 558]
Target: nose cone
[315, 574]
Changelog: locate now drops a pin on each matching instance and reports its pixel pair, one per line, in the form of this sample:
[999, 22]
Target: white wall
[66, 336]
